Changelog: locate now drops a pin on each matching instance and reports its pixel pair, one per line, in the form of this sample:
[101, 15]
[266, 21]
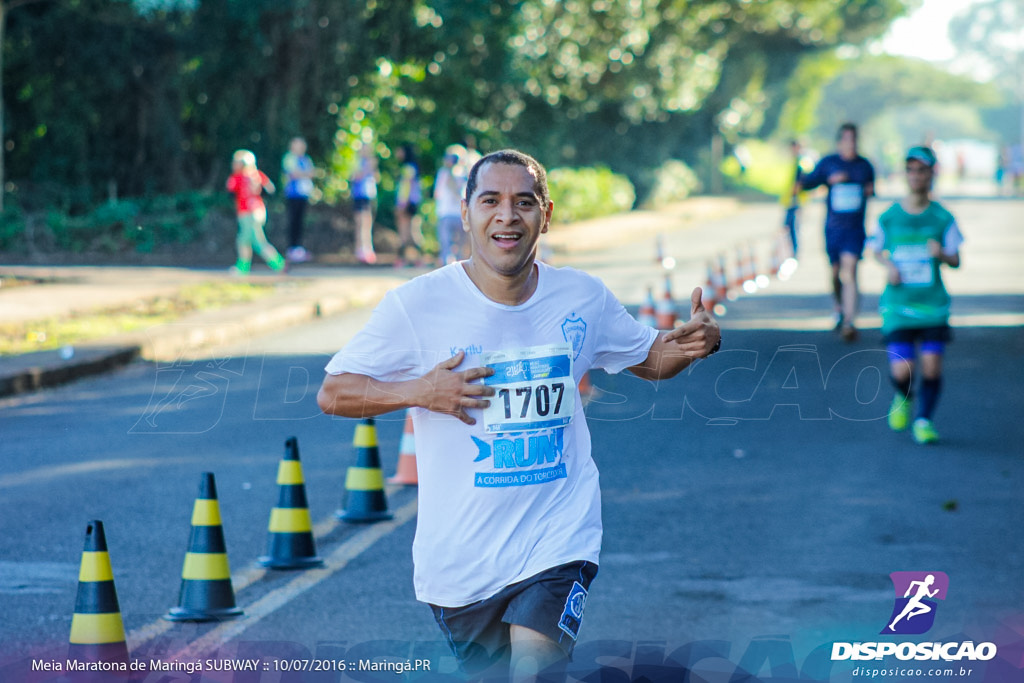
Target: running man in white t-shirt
[488, 353]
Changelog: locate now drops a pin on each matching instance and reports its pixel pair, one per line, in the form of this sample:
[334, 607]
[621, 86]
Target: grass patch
[8, 282]
[53, 333]
[770, 171]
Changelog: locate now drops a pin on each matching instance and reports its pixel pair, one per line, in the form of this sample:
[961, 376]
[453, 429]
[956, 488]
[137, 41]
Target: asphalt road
[754, 507]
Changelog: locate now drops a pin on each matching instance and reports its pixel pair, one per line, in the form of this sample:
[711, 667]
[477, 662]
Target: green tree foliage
[151, 96]
[581, 193]
[871, 87]
[804, 92]
[991, 34]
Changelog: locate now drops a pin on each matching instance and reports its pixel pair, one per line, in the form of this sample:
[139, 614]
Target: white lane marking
[337, 560]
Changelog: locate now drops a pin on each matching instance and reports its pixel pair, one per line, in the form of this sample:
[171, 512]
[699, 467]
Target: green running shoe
[924, 431]
[899, 413]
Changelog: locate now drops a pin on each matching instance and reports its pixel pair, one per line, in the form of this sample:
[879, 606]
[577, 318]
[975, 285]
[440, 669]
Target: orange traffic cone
[645, 315]
[364, 483]
[665, 315]
[97, 632]
[406, 474]
[290, 545]
[659, 249]
[206, 593]
[753, 271]
[777, 257]
[741, 269]
[707, 295]
[585, 387]
[721, 281]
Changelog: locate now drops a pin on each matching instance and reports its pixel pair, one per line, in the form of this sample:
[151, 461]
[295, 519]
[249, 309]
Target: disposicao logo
[916, 593]
[913, 613]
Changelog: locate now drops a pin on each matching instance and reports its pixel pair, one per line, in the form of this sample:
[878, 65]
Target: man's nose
[506, 210]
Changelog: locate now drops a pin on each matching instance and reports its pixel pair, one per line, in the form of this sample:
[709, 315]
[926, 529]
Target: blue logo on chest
[574, 330]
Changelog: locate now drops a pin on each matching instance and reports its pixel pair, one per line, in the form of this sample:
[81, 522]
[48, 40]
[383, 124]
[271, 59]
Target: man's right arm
[352, 395]
[442, 390]
[816, 177]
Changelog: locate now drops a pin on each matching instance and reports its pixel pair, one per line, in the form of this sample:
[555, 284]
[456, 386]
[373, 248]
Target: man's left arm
[674, 351]
[948, 251]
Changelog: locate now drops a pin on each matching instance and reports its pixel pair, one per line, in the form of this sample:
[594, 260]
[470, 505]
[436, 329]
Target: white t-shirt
[499, 507]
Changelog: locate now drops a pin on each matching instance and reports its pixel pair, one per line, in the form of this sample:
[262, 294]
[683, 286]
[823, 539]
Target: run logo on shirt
[520, 460]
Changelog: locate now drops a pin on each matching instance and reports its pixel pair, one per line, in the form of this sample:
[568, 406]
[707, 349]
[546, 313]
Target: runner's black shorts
[923, 335]
[902, 344]
[550, 603]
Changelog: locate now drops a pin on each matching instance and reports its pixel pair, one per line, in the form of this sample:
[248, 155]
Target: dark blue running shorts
[902, 343]
[550, 603]
[844, 242]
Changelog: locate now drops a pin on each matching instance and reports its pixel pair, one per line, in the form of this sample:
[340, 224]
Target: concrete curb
[46, 369]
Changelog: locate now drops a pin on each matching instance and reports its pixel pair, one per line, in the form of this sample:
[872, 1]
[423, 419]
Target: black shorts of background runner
[478, 633]
[914, 335]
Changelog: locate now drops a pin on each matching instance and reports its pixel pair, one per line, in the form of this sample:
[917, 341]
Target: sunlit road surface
[759, 500]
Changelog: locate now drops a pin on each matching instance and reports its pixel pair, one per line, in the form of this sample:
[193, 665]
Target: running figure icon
[915, 606]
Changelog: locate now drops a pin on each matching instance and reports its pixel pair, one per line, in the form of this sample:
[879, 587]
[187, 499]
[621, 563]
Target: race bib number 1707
[534, 389]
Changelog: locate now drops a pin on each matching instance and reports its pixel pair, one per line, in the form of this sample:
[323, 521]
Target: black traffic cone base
[359, 516]
[183, 614]
[295, 563]
[103, 652]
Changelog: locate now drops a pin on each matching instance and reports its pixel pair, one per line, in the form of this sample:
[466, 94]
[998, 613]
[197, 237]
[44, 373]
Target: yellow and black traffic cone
[364, 483]
[97, 632]
[206, 593]
[291, 543]
[406, 473]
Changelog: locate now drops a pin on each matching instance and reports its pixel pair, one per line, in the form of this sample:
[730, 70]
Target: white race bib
[914, 263]
[846, 197]
[534, 389]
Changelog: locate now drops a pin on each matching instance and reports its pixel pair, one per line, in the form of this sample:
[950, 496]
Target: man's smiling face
[505, 218]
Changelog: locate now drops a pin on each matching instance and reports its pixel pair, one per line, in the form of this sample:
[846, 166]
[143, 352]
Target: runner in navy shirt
[851, 181]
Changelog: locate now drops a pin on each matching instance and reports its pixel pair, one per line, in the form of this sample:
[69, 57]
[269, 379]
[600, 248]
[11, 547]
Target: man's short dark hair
[852, 127]
[512, 157]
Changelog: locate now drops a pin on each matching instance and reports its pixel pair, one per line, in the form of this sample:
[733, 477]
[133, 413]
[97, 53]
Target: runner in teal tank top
[914, 238]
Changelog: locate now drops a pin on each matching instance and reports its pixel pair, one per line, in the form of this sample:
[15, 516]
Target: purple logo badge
[916, 595]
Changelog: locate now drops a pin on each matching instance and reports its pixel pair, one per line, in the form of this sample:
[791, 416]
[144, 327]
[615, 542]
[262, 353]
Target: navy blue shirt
[846, 201]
